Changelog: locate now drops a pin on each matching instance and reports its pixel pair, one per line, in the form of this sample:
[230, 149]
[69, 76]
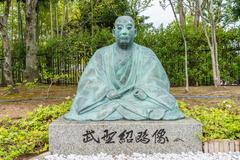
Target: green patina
[124, 81]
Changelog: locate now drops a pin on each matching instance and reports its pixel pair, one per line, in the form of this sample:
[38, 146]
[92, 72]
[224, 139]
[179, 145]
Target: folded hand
[140, 94]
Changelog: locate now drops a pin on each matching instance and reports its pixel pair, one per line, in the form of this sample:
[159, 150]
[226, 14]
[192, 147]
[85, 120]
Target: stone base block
[116, 137]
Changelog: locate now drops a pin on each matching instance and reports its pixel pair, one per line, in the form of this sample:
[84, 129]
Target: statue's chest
[122, 69]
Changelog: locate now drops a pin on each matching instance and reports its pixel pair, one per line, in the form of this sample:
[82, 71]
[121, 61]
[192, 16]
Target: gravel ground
[157, 156]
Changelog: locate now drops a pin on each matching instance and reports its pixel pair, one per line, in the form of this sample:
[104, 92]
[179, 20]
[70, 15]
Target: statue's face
[124, 30]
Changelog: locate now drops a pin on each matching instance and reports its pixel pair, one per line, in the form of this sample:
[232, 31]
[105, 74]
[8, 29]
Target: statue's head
[124, 30]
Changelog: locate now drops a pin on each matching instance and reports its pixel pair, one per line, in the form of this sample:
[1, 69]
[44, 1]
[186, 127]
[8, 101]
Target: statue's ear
[135, 32]
[113, 31]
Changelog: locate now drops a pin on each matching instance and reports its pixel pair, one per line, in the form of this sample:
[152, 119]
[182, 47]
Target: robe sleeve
[152, 72]
[153, 80]
[92, 87]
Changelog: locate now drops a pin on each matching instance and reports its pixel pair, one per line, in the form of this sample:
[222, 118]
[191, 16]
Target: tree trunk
[92, 31]
[20, 40]
[63, 16]
[20, 31]
[7, 63]
[196, 14]
[67, 11]
[181, 13]
[214, 43]
[12, 33]
[215, 79]
[182, 30]
[211, 49]
[38, 27]
[51, 18]
[56, 17]
[31, 71]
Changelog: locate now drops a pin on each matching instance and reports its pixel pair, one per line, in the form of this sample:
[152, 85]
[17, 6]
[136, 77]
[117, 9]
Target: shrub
[28, 135]
[222, 122]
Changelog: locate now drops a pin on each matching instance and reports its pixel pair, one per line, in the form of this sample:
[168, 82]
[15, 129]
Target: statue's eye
[119, 27]
[129, 27]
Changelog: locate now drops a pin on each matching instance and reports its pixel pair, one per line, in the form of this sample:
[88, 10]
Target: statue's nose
[124, 31]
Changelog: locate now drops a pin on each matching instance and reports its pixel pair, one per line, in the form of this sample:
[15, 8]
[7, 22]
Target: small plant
[47, 75]
[30, 85]
[222, 122]
[28, 135]
[230, 105]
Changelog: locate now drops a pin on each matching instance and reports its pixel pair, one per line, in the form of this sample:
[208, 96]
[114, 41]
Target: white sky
[158, 15]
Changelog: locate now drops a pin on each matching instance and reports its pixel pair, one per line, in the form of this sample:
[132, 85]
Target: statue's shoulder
[101, 53]
[104, 50]
[147, 52]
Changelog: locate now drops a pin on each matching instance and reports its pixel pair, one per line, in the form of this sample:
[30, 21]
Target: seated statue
[124, 81]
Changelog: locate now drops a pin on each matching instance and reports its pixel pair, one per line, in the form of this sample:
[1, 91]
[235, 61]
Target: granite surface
[116, 137]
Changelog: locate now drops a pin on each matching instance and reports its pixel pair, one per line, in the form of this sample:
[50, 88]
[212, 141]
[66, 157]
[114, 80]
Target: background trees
[57, 37]
[7, 63]
[31, 71]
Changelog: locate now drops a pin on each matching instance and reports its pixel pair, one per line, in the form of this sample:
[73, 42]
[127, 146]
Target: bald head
[124, 19]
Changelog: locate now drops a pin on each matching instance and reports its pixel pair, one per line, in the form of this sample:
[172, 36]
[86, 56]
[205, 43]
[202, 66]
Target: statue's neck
[121, 49]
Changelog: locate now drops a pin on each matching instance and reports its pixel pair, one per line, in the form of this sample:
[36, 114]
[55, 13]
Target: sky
[157, 15]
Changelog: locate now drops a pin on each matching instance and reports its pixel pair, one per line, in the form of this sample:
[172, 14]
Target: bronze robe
[141, 70]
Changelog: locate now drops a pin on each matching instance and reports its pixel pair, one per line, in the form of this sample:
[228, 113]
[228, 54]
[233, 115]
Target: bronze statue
[124, 81]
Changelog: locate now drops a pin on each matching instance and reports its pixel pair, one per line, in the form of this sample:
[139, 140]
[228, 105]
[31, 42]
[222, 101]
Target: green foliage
[59, 57]
[232, 11]
[29, 85]
[92, 14]
[222, 122]
[47, 75]
[167, 43]
[230, 105]
[236, 9]
[88, 27]
[28, 135]
[78, 43]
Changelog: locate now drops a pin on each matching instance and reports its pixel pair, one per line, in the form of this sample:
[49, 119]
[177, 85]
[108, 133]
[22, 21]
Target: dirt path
[207, 95]
[27, 99]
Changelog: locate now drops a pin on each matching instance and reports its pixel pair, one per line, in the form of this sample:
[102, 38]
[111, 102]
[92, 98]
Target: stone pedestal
[116, 137]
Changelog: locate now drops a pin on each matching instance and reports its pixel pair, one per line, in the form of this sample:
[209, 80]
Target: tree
[63, 16]
[182, 27]
[210, 12]
[56, 17]
[236, 9]
[51, 17]
[31, 71]
[194, 7]
[136, 7]
[232, 11]
[90, 15]
[181, 13]
[20, 30]
[7, 64]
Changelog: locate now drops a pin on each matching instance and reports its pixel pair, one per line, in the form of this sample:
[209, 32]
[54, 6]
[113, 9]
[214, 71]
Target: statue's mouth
[124, 37]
